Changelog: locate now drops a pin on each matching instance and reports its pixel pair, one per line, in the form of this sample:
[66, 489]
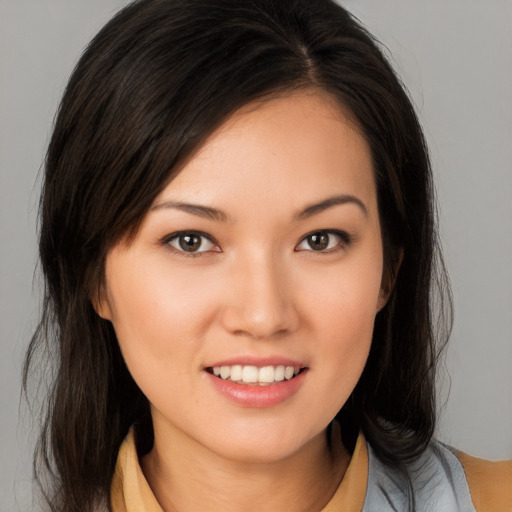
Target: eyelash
[345, 240]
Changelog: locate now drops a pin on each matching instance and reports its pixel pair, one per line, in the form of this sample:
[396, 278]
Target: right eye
[190, 242]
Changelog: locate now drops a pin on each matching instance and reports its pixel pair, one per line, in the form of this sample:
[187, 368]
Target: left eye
[322, 241]
[190, 242]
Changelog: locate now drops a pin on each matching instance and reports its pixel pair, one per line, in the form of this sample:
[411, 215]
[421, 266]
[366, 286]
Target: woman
[238, 240]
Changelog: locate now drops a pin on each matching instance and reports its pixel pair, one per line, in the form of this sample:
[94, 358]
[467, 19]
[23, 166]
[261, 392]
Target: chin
[268, 453]
[263, 445]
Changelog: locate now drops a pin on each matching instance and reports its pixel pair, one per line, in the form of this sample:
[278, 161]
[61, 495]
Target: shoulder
[490, 482]
[440, 479]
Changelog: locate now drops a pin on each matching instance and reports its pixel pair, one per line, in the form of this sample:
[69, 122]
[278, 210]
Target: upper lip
[258, 362]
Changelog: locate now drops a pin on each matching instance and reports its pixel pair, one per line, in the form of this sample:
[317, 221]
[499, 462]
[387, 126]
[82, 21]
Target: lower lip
[248, 395]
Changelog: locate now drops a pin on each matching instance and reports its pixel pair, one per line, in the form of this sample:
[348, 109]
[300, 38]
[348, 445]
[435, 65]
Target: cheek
[342, 306]
[345, 299]
[155, 313]
[345, 342]
[346, 329]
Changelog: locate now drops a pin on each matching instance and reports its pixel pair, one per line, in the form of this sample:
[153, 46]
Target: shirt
[442, 479]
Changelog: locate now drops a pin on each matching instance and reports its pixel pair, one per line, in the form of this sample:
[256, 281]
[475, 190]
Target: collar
[130, 489]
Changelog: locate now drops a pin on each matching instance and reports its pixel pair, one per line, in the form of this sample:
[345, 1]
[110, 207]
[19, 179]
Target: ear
[389, 279]
[101, 304]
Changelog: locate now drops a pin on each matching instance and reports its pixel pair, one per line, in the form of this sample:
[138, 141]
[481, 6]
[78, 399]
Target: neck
[186, 476]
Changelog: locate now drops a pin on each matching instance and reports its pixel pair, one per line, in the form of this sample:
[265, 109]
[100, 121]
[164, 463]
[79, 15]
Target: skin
[257, 288]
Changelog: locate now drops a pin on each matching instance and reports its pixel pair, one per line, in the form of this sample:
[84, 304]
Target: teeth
[254, 375]
[236, 372]
[250, 374]
[225, 372]
[279, 373]
[266, 374]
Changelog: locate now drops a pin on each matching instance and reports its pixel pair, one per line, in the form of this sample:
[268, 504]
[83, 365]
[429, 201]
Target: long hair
[146, 93]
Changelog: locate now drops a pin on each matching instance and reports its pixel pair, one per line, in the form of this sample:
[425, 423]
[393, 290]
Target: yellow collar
[130, 490]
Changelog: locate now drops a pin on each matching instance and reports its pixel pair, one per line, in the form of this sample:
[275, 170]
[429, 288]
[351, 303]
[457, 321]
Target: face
[244, 308]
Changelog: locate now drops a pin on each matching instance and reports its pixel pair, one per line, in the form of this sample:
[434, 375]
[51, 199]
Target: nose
[261, 302]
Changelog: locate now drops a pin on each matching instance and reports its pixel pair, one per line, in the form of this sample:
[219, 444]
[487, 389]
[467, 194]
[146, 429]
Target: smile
[253, 375]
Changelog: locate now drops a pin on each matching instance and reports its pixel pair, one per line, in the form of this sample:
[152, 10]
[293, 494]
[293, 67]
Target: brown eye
[190, 242]
[324, 241]
[318, 241]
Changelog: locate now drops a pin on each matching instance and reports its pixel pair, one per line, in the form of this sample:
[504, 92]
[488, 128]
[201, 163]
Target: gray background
[456, 58]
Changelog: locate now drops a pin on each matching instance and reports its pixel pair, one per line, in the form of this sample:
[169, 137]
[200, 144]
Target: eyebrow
[207, 212]
[329, 203]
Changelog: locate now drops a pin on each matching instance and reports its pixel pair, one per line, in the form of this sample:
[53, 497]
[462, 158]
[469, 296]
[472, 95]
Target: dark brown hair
[148, 90]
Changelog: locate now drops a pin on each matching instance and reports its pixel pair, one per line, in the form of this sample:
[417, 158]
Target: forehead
[283, 151]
